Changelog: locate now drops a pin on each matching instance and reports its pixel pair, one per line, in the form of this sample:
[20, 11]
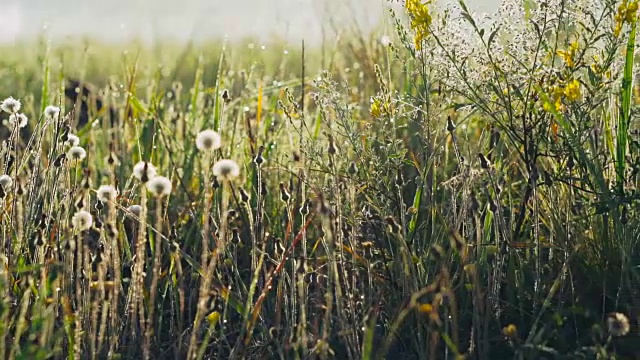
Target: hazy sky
[117, 20]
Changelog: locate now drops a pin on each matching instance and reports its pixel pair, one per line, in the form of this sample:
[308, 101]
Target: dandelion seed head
[72, 140]
[82, 220]
[226, 169]
[385, 40]
[6, 181]
[208, 140]
[159, 186]
[107, 193]
[10, 105]
[51, 112]
[19, 120]
[144, 171]
[618, 324]
[77, 153]
[135, 210]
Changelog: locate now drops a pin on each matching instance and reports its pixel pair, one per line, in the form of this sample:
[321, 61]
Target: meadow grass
[459, 188]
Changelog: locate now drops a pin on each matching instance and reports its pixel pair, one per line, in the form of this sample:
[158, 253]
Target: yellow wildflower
[630, 13]
[510, 331]
[420, 20]
[572, 90]
[213, 318]
[569, 54]
[376, 107]
[627, 12]
[425, 308]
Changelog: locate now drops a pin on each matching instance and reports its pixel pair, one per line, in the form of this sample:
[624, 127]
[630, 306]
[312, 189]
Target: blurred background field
[192, 20]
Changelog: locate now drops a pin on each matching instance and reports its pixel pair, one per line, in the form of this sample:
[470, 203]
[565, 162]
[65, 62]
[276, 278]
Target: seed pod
[284, 193]
[570, 163]
[332, 150]
[353, 169]
[304, 209]
[399, 178]
[393, 225]
[59, 160]
[437, 252]
[450, 125]
[484, 162]
[547, 178]
[259, 160]
[244, 195]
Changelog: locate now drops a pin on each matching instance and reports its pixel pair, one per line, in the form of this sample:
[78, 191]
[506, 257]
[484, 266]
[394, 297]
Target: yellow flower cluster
[569, 55]
[627, 11]
[510, 331]
[420, 20]
[570, 91]
[380, 107]
[425, 308]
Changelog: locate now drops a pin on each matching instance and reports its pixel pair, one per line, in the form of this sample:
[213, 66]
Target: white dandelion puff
[144, 171]
[72, 140]
[135, 210]
[10, 105]
[226, 169]
[77, 153]
[52, 112]
[107, 193]
[208, 140]
[6, 181]
[82, 220]
[618, 324]
[385, 40]
[159, 186]
[19, 120]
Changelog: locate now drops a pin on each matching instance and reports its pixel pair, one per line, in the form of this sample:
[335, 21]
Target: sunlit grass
[443, 192]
